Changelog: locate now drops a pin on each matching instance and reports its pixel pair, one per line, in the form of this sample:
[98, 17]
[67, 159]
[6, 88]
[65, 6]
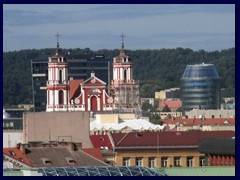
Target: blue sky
[99, 26]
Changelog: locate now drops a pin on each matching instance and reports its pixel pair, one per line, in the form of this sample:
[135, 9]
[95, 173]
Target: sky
[100, 26]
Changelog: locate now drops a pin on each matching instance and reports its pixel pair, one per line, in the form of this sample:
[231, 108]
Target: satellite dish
[110, 100]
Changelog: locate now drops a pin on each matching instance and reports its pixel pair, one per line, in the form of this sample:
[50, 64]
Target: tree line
[156, 69]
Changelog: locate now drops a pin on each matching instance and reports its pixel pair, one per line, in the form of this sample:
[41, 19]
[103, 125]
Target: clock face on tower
[77, 101]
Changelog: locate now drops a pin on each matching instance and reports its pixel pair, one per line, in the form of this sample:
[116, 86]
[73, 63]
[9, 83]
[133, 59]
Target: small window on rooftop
[12, 153]
[70, 160]
[21, 159]
[101, 139]
[46, 161]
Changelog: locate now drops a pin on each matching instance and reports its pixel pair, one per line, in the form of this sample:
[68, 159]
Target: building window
[138, 161]
[125, 75]
[151, 161]
[12, 153]
[202, 161]
[176, 161]
[60, 76]
[60, 97]
[126, 161]
[189, 161]
[164, 161]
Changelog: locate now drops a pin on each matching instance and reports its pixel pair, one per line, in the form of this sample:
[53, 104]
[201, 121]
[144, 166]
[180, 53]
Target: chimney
[78, 146]
[22, 148]
[71, 146]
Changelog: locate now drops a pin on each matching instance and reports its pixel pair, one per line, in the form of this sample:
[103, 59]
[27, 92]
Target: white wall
[12, 137]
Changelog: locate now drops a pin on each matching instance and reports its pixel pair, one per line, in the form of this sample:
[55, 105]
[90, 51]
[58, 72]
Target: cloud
[99, 26]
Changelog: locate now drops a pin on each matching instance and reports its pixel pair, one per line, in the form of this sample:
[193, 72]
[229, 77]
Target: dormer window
[46, 161]
[12, 153]
[225, 122]
[70, 160]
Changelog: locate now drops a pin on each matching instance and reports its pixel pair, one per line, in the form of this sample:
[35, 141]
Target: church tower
[57, 84]
[123, 87]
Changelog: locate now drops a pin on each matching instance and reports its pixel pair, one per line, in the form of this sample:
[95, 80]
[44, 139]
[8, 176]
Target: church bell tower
[57, 84]
[123, 87]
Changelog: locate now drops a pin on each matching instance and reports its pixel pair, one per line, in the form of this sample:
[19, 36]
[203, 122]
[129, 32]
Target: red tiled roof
[95, 152]
[199, 121]
[186, 138]
[170, 103]
[18, 155]
[99, 141]
[75, 87]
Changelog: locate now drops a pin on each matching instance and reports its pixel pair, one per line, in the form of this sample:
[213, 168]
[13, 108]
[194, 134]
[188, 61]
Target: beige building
[211, 113]
[57, 126]
[171, 93]
[199, 124]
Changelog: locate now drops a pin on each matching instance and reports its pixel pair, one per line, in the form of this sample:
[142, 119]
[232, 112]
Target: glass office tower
[200, 86]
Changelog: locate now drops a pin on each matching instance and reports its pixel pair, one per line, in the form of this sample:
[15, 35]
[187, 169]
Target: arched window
[60, 76]
[60, 93]
[125, 75]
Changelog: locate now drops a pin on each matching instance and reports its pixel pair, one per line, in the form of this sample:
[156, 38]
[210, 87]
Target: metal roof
[99, 171]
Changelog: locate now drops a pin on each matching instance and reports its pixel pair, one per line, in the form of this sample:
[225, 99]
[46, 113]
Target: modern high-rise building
[200, 87]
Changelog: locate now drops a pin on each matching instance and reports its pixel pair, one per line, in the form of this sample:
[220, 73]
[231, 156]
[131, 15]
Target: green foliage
[163, 67]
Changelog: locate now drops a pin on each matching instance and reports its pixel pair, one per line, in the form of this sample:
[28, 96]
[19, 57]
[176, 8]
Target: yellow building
[158, 149]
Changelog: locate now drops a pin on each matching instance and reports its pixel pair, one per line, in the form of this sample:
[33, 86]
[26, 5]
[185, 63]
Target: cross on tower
[57, 49]
[122, 36]
[57, 39]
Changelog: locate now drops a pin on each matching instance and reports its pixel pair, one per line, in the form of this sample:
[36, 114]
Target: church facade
[90, 94]
[74, 95]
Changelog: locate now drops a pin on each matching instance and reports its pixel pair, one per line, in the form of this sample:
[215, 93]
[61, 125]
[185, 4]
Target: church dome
[6, 115]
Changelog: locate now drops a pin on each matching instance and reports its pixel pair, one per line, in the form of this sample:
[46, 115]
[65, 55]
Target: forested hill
[164, 67]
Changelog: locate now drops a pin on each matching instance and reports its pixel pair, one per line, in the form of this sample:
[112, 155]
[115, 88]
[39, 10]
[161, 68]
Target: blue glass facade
[200, 86]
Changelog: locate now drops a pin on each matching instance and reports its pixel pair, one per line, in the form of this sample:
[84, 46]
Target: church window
[60, 97]
[60, 76]
[125, 75]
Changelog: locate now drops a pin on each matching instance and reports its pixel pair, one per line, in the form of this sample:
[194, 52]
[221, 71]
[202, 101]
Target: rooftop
[165, 139]
[135, 124]
[200, 121]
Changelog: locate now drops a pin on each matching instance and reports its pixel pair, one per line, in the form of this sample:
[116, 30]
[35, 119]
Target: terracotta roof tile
[95, 152]
[17, 154]
[170, 103]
